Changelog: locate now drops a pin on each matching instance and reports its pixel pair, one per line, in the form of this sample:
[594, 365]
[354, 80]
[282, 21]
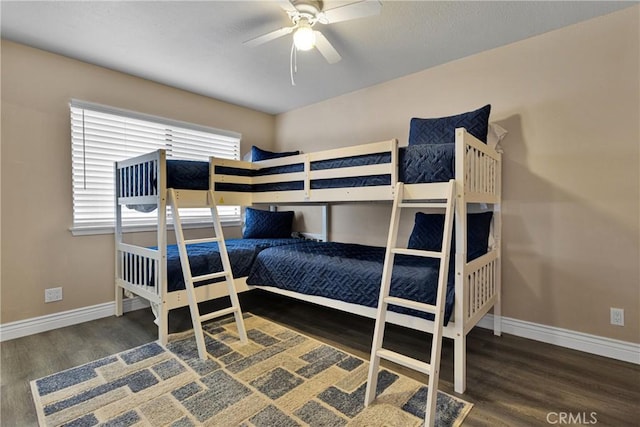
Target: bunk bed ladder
[189, 280]
[445, 202]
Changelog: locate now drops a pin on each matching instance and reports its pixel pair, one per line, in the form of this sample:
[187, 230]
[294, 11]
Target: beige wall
[570, 101]
[38, 250]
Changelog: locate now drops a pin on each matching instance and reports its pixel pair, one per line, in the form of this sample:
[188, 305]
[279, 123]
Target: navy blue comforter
[348, 272]
[204, 258]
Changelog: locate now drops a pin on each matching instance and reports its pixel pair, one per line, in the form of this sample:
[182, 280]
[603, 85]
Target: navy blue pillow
[258, 154]
[428, 228]
[261, 224]
[442, 130]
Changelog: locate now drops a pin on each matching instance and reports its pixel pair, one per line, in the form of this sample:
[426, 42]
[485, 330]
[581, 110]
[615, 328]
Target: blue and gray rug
[280, 378]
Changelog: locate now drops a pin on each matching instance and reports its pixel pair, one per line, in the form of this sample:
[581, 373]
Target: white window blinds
[101, 135]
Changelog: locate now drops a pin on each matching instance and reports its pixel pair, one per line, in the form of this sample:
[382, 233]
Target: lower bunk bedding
[352, 272]
[349, 272]
[204, 258]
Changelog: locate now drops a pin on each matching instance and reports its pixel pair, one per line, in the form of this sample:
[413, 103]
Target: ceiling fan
[305, 14]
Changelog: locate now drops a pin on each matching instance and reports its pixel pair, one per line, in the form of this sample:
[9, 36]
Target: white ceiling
[198, 46]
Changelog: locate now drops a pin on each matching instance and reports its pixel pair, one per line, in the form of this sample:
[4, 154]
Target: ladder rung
[401, 359]
[424, 205]
[407, 303]
[209, 276]
[417, 252]
[215, 314]
[205, 240]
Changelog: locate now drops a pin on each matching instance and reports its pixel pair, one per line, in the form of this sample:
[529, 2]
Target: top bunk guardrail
[478, 170]
[366, 172]
[359, 173]
[140, 179]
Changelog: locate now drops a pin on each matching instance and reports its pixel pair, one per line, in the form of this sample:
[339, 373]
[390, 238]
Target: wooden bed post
[163, 311]
[118, 238]
[460, 363]
[497, 235]
[460, 309]
[325, 223]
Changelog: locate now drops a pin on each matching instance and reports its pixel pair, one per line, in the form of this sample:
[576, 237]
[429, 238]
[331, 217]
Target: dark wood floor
[511, 381]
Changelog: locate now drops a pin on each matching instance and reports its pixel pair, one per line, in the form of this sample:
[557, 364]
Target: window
[101, 135]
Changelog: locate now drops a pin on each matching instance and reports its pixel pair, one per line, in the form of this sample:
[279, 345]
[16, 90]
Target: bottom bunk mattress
[204, 258]
[349, 272]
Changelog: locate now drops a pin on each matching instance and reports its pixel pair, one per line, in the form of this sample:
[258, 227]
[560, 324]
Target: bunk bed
[367, 172]
[155, 273]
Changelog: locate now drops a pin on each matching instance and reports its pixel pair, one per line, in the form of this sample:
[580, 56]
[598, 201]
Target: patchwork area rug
[280, 378]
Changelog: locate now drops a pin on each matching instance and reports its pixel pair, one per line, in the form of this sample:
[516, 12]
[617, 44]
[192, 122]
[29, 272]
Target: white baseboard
[22, 328]
[615, 349]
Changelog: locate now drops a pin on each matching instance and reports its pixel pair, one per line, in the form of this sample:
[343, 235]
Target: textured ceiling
[198, 46]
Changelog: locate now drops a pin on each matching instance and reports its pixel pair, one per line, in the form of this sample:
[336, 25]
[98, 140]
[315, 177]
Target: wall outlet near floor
[52, 294]
[617, 316]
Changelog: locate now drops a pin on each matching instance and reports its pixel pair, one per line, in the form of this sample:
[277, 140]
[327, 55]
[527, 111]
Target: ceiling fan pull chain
[293, 63]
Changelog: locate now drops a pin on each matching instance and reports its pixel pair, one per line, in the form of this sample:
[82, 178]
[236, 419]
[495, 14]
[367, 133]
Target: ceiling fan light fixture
[304, 37]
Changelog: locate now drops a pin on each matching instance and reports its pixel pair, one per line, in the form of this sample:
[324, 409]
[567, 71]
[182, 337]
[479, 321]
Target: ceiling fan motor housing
[308, 9]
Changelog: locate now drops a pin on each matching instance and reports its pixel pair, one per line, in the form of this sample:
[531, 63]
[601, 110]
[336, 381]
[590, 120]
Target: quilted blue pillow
[428, 228]
[261, 224]
[258, 154]
[442, 130]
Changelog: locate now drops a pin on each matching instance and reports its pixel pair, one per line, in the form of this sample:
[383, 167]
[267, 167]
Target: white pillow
[495, 134]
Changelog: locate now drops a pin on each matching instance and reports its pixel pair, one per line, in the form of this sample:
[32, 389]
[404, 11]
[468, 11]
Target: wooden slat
[405, 361]
[278, 196]
[415, 305]
[425, 205]
[364, 170]
[431, 191]
[280, 161]
[416, 252]
[211, 276]
[354, 150]
[138, 250]
[352, 194]
[192, 198]
[205, 240]
[234, 179]
[279, 177]
[216, 314]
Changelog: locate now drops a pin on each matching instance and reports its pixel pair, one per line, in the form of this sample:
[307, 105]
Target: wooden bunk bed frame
[478, 181]
[142, 271]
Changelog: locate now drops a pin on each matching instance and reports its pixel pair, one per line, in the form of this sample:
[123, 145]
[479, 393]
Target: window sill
[90, 231]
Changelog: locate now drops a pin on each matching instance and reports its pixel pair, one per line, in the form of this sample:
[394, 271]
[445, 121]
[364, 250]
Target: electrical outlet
[52, 294]
[617, 316]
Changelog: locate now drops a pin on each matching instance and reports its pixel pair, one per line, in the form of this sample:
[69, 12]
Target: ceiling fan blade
[350, 11]
[286, 5]
[257, 41]
[326, 49]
